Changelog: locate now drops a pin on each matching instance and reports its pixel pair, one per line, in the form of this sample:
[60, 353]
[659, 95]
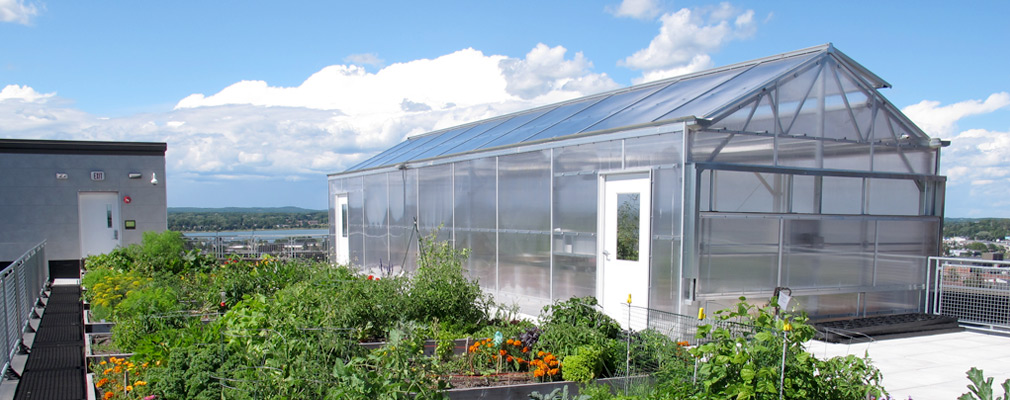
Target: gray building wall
[36, 206]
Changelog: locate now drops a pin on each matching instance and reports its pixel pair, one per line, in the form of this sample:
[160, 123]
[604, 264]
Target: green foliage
[162, 251]
[145, 314]
[439, 288]
[585, 365]
[750, 367]
[394, 371]
[981, 387]
[245, 219]
[568, 325]
[978, 229]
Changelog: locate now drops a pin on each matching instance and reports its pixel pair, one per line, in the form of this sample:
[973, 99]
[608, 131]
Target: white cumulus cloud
[17, 11]
[23, 93]
[639, 9]
[336, 118]
[687, 37]
[365, 59]
[937, 120]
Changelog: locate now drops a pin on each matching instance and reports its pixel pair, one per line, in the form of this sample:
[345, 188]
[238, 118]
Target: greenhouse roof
[705, 96]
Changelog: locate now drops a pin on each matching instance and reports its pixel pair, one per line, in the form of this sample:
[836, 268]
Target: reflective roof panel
[707, 95]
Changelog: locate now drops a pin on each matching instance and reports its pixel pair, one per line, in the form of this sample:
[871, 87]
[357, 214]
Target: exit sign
[98, 175]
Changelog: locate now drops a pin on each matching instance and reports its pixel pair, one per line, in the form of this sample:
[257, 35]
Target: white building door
[624, 255]
[341, 244]
[98, 214]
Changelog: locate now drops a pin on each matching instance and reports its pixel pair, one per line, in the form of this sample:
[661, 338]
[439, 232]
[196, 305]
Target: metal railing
[315, 247]
[975, 291]
[21, 286]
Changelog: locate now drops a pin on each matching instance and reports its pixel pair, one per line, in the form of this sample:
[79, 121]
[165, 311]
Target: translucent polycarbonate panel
[445, 140]
[376, 210]
[893, 302]
[902, 249]
[412, 145]
[804, 199]
[800, 153]
[737, 191]
[704, 144]
[355, 221]
[653, 150]
[435, 199]
[793, 95]
[667, 205]
[894, 197]
[527, 131]
[402, 211]
[574, 274]
[663, 292]
[827, 253]
[474, 192]
[588, 157]
[653, 107]
[762, 118]
[473, 133]
[828, 305]
[575, 198]
[846, 156]
[475, 214]
[842, 195]
[751, 79]
[480, 265]
[383, 155]
[705, 191]
[524, 264]
[595, 113]
[629, 214]
[498, 130]
[746, 149]
[738, 255]
[413, 153]
[904, 160]
[524, 191]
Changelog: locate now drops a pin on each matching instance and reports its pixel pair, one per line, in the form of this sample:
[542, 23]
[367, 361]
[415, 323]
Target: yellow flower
[129, 388]
[787, 327]
[140, 383]
[102, 363]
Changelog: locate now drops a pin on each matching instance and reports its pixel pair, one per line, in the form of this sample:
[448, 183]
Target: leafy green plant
[576, 322]
[750, 367]
[981, 387]
[585, 365]
[440, 290]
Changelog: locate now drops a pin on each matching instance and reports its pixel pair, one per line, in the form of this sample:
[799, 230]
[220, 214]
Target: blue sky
[259, 100]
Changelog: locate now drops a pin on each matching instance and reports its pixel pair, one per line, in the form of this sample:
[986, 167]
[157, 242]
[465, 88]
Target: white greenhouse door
[98, 213]
[624, 255]
[341, 244]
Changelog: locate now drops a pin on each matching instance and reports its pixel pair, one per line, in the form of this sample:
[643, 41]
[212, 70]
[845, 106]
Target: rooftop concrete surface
[930, 367]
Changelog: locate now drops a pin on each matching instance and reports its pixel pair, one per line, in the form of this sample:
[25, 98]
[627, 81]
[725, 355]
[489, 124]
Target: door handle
[606, 254]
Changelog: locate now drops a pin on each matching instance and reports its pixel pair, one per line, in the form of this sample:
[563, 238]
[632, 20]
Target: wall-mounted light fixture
[154, 178]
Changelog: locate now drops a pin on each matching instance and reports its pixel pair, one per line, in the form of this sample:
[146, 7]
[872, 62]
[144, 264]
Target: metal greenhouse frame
[786, 171]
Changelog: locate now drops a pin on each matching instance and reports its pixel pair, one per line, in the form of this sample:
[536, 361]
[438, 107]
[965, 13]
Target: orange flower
[553, 371]
[108, 395]
[526, 349]
[540, 354]
[502, 352]
[509, 359]
[101, 382]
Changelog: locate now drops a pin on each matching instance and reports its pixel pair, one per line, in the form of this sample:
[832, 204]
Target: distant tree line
[238, 221]
[977, 229]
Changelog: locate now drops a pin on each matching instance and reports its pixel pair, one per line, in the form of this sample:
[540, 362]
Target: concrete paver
[930, 367]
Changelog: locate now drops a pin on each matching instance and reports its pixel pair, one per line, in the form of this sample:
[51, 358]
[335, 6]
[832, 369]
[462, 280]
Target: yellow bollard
[629, 298]
[701, 313]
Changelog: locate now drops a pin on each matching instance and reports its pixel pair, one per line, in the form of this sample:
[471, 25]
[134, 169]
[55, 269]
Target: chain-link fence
[21, 285]
[976, 292]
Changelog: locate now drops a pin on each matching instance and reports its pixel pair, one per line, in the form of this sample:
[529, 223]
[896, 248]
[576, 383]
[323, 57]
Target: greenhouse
[787, 171]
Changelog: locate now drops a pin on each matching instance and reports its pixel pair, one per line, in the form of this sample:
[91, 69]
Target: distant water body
[270, 233]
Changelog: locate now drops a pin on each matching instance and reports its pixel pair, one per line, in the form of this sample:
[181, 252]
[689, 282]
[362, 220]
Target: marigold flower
[101, 382]
[526, 349]
[102, 363]
[502, 352]
[129, 388]
[509, 359]
[540, 354]
[553, 371]
[140, 383]
[108, 395]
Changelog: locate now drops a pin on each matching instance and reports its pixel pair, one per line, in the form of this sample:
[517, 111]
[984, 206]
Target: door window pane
[628, 211]
[343, 220]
